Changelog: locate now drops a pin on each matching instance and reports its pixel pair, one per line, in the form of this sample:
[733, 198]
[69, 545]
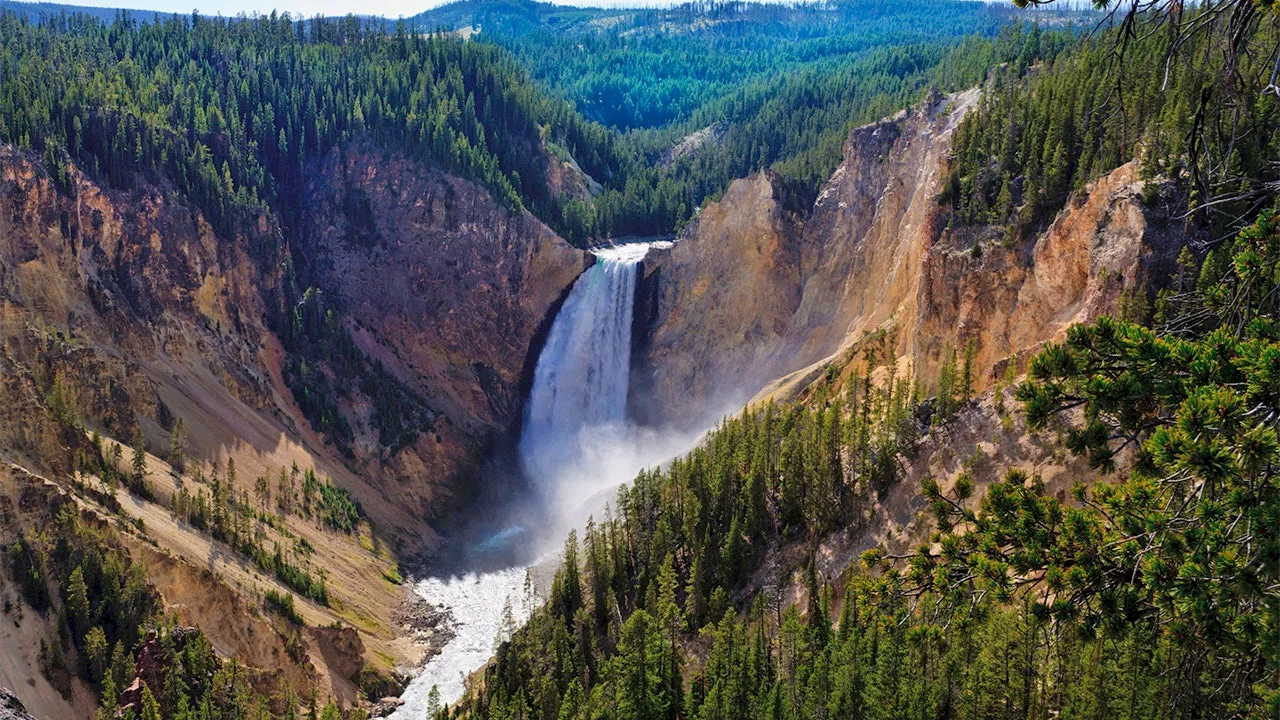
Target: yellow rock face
[759, 294]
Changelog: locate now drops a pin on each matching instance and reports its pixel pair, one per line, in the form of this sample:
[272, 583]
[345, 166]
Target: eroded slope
[758, 295]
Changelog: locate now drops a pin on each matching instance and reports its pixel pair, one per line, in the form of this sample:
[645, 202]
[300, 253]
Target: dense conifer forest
[212, 104]
[1152, 594]
[1046, 129]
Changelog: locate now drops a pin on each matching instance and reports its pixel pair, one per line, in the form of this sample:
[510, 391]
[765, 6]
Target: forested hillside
[343, 242]
[110, 630]
[758, 85]
[1150, 594]
[1186, 110]
[214, 105]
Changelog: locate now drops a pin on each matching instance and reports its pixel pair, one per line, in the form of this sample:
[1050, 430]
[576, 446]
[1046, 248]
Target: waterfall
[576, 442]
[579, 395]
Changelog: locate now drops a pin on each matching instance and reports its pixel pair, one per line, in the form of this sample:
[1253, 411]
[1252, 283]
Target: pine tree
[262, 488]
[97, 654]
[178, 446]
[139, 458]
[1004, 201]
[695, 593]
[284, 493]
[150, 709]
[434, 706]
[76, 604]
[121, 672]
[640, 670]
[570, 580]
[731, 555]
[107, 704]
[819, 622]
[966, 371]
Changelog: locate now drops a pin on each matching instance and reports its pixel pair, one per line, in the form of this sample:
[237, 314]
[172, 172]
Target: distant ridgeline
[231, 110]
[769, 85]
[650, 68]
[34, 10]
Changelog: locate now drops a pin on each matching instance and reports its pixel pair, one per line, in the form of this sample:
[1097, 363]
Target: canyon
[450, 299]
[146, 316]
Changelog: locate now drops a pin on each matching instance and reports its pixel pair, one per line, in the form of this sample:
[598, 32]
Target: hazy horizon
[308, 8]
[390, 9]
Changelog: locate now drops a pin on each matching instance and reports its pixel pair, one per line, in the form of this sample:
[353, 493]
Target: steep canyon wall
[759, 295]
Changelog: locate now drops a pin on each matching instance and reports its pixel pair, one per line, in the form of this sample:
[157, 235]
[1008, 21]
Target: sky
[308, 8]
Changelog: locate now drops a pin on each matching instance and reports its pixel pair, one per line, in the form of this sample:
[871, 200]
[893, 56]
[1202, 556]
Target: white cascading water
[575, 443]
[579, 395]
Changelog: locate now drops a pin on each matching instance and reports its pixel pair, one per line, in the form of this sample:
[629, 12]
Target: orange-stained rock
[716, 303]
[1008, 300]
[757, 296]
[446, 285]
[149, 314]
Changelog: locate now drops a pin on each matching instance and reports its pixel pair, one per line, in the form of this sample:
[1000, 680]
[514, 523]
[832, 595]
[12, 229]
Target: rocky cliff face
[867, 233]
[447, 288]
[1007, 299]
[757, 295]
[149, 315]
[718, 301]
[123, 294]
[125, 310]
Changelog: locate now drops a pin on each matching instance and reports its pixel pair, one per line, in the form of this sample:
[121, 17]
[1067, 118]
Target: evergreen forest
[702, 593]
